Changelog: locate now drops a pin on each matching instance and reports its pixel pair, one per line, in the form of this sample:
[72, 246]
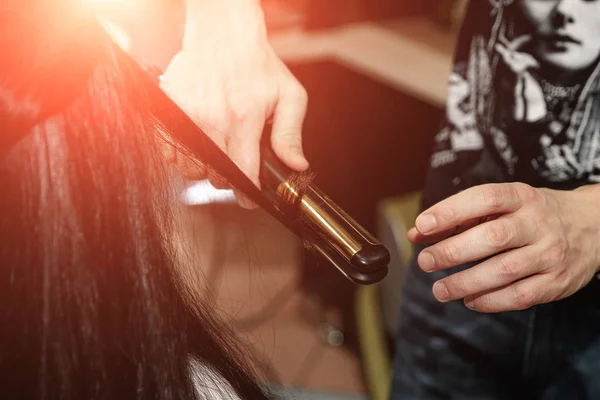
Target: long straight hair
[90, 304]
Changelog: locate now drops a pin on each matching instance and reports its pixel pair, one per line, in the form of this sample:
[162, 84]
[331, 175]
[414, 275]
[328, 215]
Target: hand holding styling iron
[222, 92]
[229, 80]
[287, 195]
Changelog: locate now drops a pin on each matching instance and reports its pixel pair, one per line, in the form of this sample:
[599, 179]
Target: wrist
[240, 17]
[203, 5]
[589, 196]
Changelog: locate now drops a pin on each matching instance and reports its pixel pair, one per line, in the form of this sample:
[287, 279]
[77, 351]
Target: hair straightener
[323, 226]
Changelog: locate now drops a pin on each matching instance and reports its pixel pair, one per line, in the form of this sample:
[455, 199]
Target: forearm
[196, 6]
[588, 197]
[152, 32]
[239, 18]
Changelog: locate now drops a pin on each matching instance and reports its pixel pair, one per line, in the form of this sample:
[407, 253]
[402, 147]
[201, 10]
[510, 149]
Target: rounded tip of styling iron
[371, 257]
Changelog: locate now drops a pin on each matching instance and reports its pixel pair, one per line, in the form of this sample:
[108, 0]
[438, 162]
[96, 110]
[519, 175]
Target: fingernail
[470, 304]
[412, 234]
[440, 291]
[426, 223]
[426, 261]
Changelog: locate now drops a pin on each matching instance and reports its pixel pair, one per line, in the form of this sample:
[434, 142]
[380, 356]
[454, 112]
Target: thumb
[288, 119]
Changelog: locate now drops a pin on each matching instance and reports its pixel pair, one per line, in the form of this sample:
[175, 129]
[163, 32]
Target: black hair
[91, 305]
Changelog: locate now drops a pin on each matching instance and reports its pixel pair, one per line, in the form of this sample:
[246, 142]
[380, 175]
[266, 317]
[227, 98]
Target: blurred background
[376, 73]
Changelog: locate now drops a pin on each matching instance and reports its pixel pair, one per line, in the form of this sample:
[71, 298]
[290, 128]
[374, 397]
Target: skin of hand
[229, 80]
[539, 245]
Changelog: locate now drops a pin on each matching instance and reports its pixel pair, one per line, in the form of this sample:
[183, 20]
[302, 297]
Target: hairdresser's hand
[542, 244]
[230, 81]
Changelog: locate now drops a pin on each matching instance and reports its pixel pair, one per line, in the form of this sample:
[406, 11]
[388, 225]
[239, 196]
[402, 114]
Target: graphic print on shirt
[524, 95]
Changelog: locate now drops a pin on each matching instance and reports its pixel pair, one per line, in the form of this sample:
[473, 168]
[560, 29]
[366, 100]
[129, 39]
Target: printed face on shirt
[566, 32]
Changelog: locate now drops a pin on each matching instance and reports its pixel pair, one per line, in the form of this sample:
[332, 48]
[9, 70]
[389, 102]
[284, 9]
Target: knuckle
[458, 286]
[522, 297]
[287, 140]
[493, 197]
[214, 122]
[446, 214]
[497, 196]
[300, 94]
[534, 226]
[241, 110]
[499, 234]
[557, 252]
[526, 192]
[265, 90]
[509, 269]
[288, 134]
[450, 254]
[563, 284]
[266, 96]
[485, 303]
[245, 103]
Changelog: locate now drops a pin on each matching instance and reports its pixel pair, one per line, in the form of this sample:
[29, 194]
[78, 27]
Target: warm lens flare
[113, 14]
[107, 1]
[118, 34]
[113, 4]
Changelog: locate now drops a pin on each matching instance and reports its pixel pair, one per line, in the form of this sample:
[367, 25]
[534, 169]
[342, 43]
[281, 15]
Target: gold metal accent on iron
[326, 217]
[287, 192]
